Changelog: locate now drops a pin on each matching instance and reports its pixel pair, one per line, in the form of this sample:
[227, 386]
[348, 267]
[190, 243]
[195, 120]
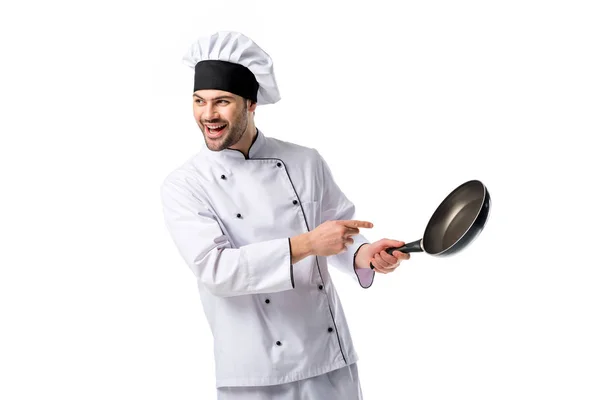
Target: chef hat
[232, 62]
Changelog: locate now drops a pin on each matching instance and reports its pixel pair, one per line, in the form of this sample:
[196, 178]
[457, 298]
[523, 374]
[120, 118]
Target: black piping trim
[291, 266]
[316, 258]
[353, 266]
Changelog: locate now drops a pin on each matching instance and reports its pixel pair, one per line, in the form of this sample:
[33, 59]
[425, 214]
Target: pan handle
[412, 247]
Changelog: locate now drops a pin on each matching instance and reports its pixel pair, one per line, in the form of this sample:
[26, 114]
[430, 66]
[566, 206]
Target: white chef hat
[232, 62]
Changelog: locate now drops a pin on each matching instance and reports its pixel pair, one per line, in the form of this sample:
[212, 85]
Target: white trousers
[340, 384]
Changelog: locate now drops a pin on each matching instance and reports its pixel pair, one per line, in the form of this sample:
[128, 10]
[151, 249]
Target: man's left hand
[375, 253]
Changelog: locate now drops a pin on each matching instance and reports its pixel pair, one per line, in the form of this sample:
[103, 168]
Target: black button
[222, 176]
[330, 329]
[278, 343]
[239, 215]
[320, 287]
[267, 301]
[279, 164]
[295, 202]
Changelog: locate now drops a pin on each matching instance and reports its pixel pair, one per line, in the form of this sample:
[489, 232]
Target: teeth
[215, 127]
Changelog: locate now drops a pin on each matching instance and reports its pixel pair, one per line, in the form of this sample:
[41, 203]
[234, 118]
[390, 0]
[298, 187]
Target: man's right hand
[332, 237]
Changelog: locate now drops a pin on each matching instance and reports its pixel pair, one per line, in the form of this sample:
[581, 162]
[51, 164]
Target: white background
[405, 100]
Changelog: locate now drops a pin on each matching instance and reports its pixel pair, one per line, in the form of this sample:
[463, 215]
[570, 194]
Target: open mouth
[215, 131]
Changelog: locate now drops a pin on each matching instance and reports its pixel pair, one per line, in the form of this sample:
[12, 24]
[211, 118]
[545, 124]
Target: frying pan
[457, 221]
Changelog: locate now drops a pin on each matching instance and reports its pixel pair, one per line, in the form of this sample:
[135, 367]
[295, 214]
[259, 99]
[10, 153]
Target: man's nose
[210, 112]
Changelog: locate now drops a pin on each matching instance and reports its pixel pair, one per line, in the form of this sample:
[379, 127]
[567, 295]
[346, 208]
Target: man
[259, 220]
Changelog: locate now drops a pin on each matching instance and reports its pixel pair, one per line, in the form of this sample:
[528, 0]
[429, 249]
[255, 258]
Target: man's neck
[246, 141]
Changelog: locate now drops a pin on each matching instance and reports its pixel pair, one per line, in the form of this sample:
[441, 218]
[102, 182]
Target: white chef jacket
[231, 219]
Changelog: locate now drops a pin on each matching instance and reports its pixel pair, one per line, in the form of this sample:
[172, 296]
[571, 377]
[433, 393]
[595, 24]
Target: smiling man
[212, 111]
[259, 220]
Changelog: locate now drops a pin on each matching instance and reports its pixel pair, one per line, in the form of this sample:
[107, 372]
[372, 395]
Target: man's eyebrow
[218, 97]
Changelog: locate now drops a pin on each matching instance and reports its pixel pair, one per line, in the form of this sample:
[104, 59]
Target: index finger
[356, 224]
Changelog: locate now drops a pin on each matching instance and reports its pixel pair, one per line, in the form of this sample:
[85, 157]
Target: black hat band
[226, 76]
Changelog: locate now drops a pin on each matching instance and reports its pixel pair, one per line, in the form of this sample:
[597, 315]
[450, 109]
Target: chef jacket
[231, 218]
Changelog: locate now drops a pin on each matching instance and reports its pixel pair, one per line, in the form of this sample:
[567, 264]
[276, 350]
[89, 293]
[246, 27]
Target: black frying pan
[456, 222]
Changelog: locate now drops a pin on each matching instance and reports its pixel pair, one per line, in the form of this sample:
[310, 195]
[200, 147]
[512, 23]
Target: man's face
[222, 117]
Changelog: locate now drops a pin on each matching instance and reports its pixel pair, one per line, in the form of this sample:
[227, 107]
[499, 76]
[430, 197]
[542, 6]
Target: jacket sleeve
[262, 267]
[336, 206]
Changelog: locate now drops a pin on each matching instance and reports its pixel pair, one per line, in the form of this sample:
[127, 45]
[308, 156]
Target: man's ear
[252, 106]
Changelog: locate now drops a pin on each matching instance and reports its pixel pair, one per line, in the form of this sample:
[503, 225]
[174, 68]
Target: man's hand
[332, 237]
[375, 253]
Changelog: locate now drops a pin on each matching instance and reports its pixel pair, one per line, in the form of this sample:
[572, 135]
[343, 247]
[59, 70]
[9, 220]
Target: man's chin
[217, 145]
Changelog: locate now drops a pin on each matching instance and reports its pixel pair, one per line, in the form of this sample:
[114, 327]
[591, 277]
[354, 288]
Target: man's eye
[223, 102]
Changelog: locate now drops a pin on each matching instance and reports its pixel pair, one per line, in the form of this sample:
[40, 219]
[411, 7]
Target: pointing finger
[356, 224]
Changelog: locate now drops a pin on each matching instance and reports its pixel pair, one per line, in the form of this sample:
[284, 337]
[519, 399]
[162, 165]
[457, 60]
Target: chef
[259, 221]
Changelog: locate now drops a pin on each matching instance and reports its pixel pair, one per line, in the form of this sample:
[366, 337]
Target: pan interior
[454, 217]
